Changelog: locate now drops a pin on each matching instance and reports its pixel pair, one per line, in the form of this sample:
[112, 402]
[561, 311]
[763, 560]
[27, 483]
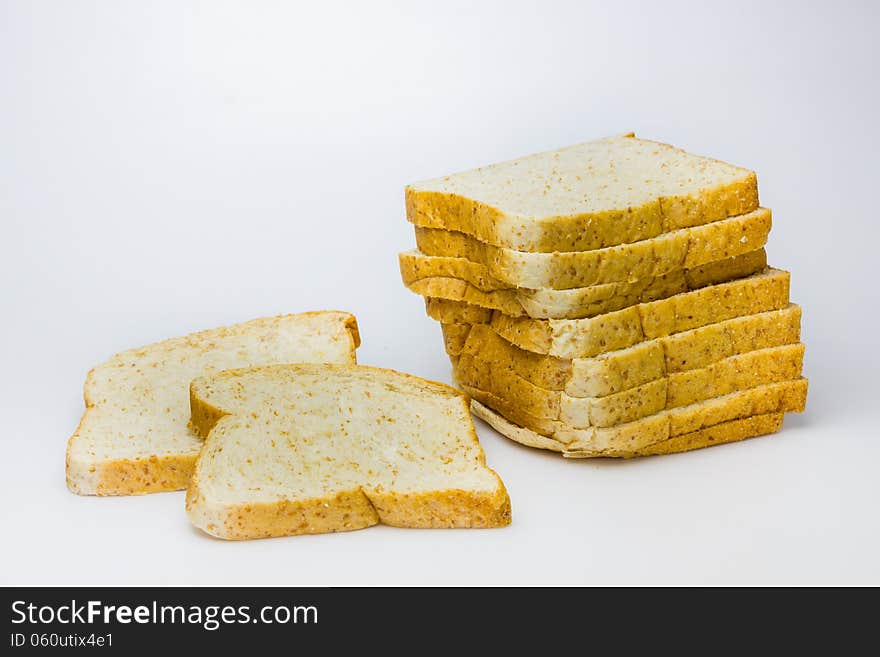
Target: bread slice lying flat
[458, 281]
[616, 371]
[588, 196]
[679, 249]
[305, 449]
[732, 374]
[687, 427]
[133, 437]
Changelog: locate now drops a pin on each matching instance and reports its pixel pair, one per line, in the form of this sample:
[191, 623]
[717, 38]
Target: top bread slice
[588, 196]
[133, 437]
[304, 449]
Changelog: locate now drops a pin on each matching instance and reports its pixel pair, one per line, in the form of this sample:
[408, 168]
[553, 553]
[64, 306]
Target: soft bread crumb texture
[587, 196]
[134, 436]
[303, 449]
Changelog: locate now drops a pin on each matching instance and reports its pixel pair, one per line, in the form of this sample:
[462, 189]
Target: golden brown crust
[344, 511]
[585, 338]
[456, 312]
[547, 428]
[457, 290]
[453, 299]
[509, 420]
[733, 374]
[444, 509]
[725, 432]
[155, 474]
[488, 268]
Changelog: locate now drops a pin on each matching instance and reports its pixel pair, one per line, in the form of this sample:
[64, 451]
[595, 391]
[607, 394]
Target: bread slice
[588, 196]
[718, 434]
[648, 434]
[680, 249]
[133, 437]
[304, 449]
[624, 369]
[566, 433]
[583, 338]
[739, 372]
[461, 282]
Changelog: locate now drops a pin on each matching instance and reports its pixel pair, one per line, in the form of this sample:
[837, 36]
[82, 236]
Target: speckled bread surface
[687, 427]
[739, 372]
[134, 438]
[676, 250]
[304, 449]
[609, 299]
[615, 371]
[588, 196]
[718, 434]
[461, 280]
[588, 337]
[582, 338]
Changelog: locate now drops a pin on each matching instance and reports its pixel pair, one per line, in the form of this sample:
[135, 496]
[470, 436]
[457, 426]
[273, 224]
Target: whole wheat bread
[717, 434]
[133, 437]
[458, 281]
[588, 337]
[613, 372]
[303, 449]
[643, 435]
[680, 249]
[588, 196]
[738, 372]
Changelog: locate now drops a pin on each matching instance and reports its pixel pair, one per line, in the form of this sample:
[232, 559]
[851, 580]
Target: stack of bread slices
[609, 299]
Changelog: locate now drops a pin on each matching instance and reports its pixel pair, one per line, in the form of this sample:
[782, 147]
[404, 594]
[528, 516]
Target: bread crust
[723, 432]
[585, 338]
[615, 371]
[417, 268]
[489, 268]
[454, 294]
[737, 373]
[779, 397]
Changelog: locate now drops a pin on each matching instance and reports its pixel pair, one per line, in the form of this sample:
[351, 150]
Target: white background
[171, 166]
